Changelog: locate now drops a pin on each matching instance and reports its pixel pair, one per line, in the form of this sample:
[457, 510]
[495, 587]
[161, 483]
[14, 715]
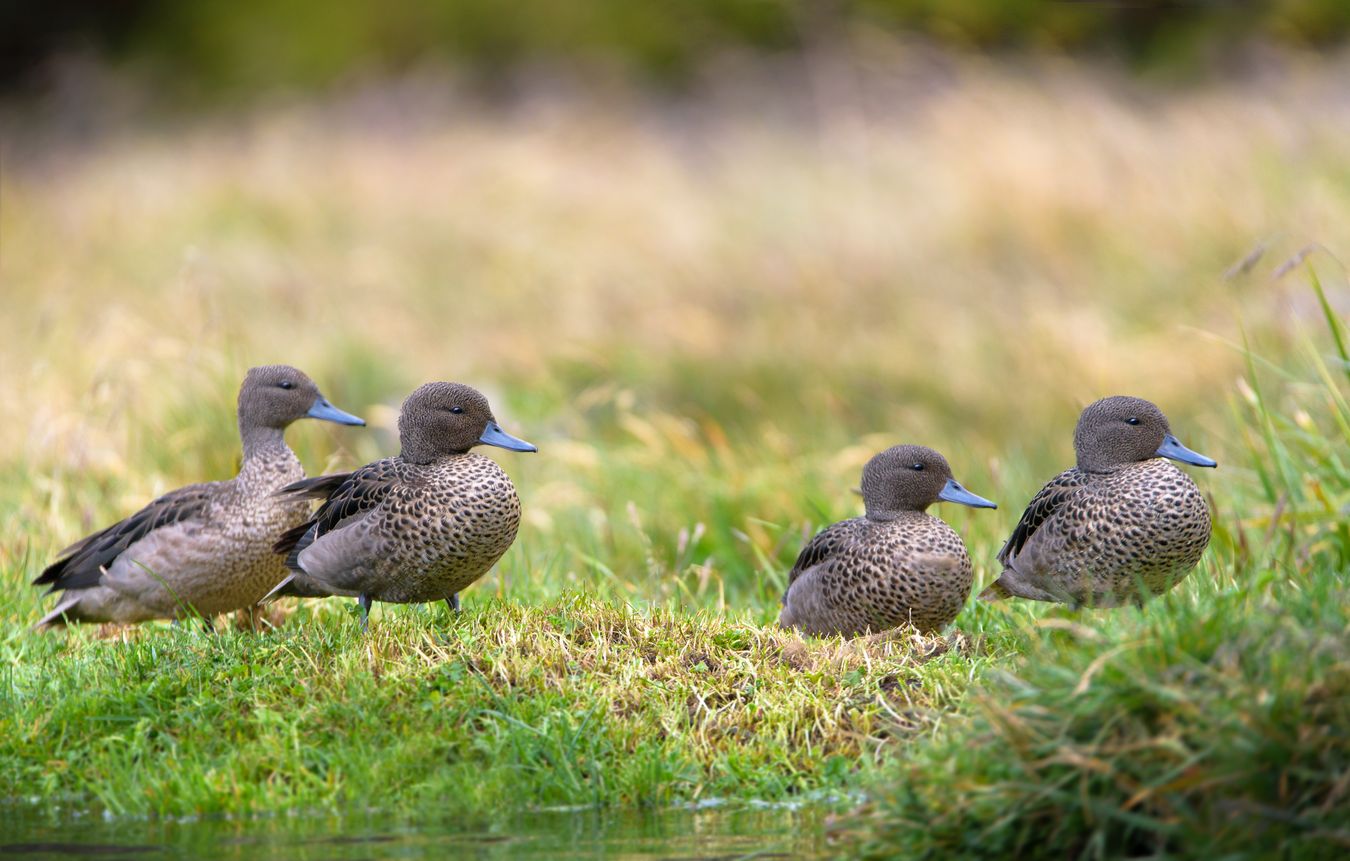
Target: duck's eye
[917, 467]
[457, 410]
[286, 384]
[1132, 421]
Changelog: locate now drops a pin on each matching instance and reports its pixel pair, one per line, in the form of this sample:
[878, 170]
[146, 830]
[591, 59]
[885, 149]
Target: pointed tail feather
[62, 614]
[996, 591]
[278, 591]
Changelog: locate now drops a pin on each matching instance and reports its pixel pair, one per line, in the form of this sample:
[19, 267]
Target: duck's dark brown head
[911, 478]
[273, 396]
[440, 419]
[1121, 430]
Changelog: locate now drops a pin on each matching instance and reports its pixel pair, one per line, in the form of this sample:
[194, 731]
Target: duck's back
[1143, 525]
[872, 575]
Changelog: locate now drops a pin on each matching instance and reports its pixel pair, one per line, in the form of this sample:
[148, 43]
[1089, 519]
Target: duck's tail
[280, 590]
[65, 612]
[995, 591]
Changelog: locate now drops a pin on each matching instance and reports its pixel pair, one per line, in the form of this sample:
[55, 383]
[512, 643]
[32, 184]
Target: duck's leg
[365, 602]
[209, 624]
[453, 602]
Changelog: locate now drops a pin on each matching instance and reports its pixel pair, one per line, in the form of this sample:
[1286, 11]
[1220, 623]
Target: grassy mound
[507, 706]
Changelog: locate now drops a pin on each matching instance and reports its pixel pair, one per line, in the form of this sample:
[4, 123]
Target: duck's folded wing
[818, 550]
[1043, 505]
[347, 497]
[81, 565]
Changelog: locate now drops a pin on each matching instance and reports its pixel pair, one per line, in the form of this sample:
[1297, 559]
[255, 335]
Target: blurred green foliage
[239, 46]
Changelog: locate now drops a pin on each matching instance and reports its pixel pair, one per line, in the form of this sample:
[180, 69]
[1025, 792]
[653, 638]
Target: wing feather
[819, 549]
[1042, 506]
[346, 496]
[81, 565]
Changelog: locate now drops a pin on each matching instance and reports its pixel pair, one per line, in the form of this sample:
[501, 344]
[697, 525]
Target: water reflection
[688, 835]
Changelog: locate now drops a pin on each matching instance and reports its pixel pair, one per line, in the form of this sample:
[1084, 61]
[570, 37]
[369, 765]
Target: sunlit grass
[708, 333]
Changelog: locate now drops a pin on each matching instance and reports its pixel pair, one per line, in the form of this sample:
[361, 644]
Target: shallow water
[716, 834]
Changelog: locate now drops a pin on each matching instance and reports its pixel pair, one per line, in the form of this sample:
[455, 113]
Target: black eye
[286, 384]
[917, 467]
[457, 410]
[1132, 421]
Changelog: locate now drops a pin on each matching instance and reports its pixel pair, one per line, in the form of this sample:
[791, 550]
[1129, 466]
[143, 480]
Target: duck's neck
[422, 454]
[1097, 467]
[263, 443]
[886, 515]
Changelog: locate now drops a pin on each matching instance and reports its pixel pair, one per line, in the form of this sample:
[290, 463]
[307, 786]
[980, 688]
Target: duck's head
[439, 419]
[1121, 430]
[273, 396]
[911, 478]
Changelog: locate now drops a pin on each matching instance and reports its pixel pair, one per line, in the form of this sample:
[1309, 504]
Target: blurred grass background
[710, 261]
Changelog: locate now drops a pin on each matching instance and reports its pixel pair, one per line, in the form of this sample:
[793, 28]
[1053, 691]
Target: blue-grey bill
[954, 492]
[494, 435]
[329, 413]
[1172, 448]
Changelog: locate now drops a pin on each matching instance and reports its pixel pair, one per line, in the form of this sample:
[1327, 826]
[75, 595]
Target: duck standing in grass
[206, 548]
[1123, 525]
[414, 528]
[896, 565]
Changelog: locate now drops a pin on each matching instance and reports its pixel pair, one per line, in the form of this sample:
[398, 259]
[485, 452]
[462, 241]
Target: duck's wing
[347, 496]
[1043, 505]
[81, 565]
[820, 549]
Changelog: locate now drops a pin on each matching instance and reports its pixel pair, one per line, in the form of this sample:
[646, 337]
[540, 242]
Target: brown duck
[206, 548]
[1121, 526]
[414, 528]
[895, 565]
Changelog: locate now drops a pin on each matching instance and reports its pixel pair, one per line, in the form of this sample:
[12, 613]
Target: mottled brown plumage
[413, 528]
[1121, 526]
[204, 548]
[895, 565]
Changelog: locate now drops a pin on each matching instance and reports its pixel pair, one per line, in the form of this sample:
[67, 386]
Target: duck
[896, 565]
[203, 549]
[1121, 526]
[415, 528]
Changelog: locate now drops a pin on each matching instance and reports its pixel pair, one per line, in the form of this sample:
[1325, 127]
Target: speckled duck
[414, 528]
[1121, 526]
[895, 565]
[205, 548]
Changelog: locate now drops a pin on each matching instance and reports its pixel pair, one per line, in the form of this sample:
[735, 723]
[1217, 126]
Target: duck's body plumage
[403, 532]
[206, 548]
[1122, 525]
[894, 566]
[414, 528]
[1105, 539]
[864, 575]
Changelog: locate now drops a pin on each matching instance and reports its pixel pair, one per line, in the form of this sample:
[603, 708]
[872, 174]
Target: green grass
[572, 702]
[706, 350]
